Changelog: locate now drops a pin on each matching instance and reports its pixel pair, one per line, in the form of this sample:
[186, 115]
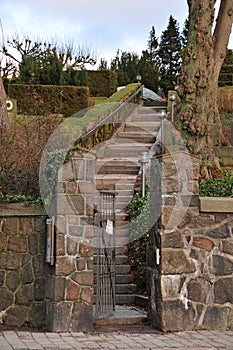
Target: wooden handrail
[109, 116]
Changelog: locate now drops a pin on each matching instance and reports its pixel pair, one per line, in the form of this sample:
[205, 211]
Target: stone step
[119, 260]
[120, 269]
[141, 137]
[117, 166]
[109, 181]
[146, 116]
[125, 149]
[123, 315]
[142, 127]
[125, 299]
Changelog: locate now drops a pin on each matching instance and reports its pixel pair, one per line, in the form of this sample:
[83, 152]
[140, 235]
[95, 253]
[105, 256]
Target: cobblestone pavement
[197, 340]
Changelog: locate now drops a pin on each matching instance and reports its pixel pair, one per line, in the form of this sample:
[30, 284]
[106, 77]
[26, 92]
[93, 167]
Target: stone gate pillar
[70, 292]
[174, 191]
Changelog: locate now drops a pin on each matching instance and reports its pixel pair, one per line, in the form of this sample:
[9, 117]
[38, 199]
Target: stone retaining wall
[71, 284]
[191, 286]
[22, 268]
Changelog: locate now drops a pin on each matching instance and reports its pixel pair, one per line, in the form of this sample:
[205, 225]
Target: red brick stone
[86, 249]
[3, 241]
[203, 243]
[174, 261]
[65, 266]
[73, 291]
[17, 244]
[87, 295]
[25, 226]
[83, 278]
[60, 244]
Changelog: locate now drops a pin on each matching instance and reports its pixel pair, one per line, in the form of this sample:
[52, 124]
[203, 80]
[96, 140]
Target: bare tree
[4, 121]
[69, 55]
[204, 55]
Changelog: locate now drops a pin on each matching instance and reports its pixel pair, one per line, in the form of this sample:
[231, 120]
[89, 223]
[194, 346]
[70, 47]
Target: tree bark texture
[203, 58]
[4, 120]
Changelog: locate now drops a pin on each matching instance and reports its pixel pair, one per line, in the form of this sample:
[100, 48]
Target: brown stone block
[227, 247]
[86, 249]
[24, 295]
[170, 185]
[74, 220]
[198, 290]
[66, 172]
[37, 315]
[88, 232]
[6, 298]
[203, 243]
[174, 261]
[189, 219]
[219, 232]
[72, 291]
[83, 278]
[25, 226]
[223, 291]
[87, 295]
[172, 217]
[75, 231]
[82, 318]
[193, 173]
[169, 169]
[27, 275]
[61, 224]
[33, 244]
[71, 187]
[60, 245]
[72, 246]
[10, 226]
[65, 205]
[172, 240]
[77, 203]
[79, 168]
[59, 316]
[59, 289]
[17, 244]
[176, 317]
[81, 264]
[12, 280]
[65, 266]
[10, 260]
[222, 266]
[38, 265]
[216, 318]
[86, 187]
[193, 186]
[205, 220]
[3, 241]
[16, 316]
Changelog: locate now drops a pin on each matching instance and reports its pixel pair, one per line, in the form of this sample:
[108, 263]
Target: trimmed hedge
[49, 99]
[102, 82]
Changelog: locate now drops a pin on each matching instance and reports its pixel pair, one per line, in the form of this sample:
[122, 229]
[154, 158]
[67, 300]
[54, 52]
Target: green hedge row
[47, 99]
[101, 82]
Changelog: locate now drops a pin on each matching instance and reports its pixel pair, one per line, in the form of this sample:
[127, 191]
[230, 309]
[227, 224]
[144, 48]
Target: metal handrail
[109, 116]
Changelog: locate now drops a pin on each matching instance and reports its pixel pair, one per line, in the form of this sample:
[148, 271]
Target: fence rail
[113, 116]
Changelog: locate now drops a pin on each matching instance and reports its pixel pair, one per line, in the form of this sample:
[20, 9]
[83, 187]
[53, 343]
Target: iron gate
[105, 291]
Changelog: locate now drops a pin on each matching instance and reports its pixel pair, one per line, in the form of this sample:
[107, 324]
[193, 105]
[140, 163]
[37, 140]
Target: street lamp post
[144, 159]
[172, 99]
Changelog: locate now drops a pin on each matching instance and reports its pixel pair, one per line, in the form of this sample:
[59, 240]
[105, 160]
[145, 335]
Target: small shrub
[220, 187]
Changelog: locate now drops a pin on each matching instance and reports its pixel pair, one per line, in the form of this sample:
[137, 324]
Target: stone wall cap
[216, 204]
[21, 209]
[183, 153]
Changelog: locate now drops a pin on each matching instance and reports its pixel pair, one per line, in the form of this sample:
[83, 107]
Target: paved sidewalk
[198, 340]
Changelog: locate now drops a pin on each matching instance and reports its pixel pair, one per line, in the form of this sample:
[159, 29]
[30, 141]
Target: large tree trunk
[4, 120]
[203, 58]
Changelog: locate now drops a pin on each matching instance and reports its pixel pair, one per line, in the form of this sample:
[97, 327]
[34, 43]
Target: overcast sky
[102, 25]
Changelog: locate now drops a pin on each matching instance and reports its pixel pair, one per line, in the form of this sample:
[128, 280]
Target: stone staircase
[118, 170]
